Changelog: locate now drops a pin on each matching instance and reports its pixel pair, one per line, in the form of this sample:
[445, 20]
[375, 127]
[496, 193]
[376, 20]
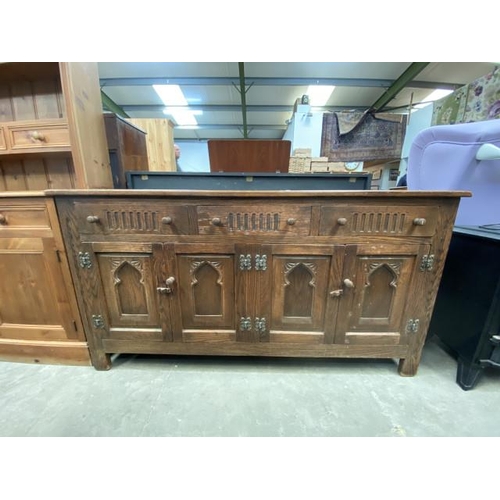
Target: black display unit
[466, 317]
[242, 181]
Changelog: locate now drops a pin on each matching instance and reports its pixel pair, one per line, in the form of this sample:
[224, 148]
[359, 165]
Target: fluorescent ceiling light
[182, 117]
[434, 96]
[172, 95]
[319, 94]
[177, 109]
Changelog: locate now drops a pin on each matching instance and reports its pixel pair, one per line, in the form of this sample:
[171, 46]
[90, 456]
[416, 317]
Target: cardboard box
[336, 166]
[319, 166]
[302, 152]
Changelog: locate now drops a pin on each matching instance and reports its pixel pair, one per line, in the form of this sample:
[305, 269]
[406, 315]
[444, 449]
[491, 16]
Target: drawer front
[35, 136]
[256, 219]
[131, 217]
[379, 220]
[23, 216]
[3, 145]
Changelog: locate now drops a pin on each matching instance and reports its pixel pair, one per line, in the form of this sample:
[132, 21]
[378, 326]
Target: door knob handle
[166, 289]
[348, 283]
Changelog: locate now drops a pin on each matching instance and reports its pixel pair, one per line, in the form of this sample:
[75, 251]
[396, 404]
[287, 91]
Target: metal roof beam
[243, 93]
[262, 81]
[111, 105]
[411, 72]
[232, 107]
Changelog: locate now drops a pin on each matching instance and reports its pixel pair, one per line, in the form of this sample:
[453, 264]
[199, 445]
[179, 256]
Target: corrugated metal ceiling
[272, 89]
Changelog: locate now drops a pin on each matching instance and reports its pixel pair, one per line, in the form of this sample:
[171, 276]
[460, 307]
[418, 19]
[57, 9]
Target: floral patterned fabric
[477, 101]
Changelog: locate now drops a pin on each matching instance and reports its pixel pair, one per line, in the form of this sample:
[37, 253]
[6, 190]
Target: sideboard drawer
[131, 217]
[34, 136]
[343, 220]
[19, 216]
[254, 219]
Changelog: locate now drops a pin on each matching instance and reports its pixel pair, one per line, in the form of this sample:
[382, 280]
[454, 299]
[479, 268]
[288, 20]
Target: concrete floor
[224, 396]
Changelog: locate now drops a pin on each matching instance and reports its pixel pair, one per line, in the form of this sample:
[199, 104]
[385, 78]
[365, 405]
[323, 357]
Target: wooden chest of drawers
[318, 274]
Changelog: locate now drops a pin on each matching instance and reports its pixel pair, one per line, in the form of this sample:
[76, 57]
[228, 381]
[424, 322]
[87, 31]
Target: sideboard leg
[100, 360]
[468, 374]
[408, 367]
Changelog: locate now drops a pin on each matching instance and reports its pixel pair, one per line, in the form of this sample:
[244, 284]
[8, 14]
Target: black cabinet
[234, 181]
[466, 316]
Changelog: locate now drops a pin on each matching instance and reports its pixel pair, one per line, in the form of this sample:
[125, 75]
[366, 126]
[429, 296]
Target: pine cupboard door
[299, 306]
[135, 298]
[205, 299]
[378, 296]
[35, 304]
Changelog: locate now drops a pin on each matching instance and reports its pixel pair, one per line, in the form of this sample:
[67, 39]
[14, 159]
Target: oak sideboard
[263, 273]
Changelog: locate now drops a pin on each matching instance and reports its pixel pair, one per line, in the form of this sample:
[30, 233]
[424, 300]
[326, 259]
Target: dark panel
[466, 315]
[249, 155]
[248, 181]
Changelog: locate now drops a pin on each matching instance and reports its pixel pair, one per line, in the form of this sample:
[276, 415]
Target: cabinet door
[35, 304]
[206, 300]
[298, 306]
[135, 307]
[378, 301]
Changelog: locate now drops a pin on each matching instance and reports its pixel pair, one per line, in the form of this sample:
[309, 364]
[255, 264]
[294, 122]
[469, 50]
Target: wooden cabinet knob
[216, 221]
[166, 220]
[348, 283]
[419, 222]
[291, 221]
[342, 221]
[165, 290]
[37, 136]
[3, 219]
[92, 219]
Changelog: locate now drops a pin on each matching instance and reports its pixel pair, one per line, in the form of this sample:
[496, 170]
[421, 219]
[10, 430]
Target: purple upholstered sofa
[445, 157]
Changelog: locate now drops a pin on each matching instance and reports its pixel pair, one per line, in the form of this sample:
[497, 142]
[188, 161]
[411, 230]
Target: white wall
[419, 120]
[194, 156]
[288, 135]
[304, 131]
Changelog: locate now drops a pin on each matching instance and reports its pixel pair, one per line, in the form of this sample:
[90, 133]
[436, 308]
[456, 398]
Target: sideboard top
[179, 193]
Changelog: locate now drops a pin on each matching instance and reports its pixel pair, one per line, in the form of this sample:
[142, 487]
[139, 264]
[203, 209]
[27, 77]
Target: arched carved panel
[299, 283]
[380, 287]
[128, 278]
[206, 285]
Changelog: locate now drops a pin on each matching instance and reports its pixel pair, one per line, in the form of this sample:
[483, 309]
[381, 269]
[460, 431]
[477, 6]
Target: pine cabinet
[326, 274]
[39, 317]
[51, 127]
[51, 136]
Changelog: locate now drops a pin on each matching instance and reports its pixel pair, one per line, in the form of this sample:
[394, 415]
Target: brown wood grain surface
[323, 293]
[249, 155]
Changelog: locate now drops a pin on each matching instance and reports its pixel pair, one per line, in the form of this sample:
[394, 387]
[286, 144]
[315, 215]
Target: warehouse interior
[236, 105]
[168, 395]
[172, 423]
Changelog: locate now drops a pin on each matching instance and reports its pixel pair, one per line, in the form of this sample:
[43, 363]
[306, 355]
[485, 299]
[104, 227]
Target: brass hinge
[97, 321]
[427, 263]
[245, 324]
[412, 325]
[246, 262]
[260, 325]
[260, 262]
[84, 260]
